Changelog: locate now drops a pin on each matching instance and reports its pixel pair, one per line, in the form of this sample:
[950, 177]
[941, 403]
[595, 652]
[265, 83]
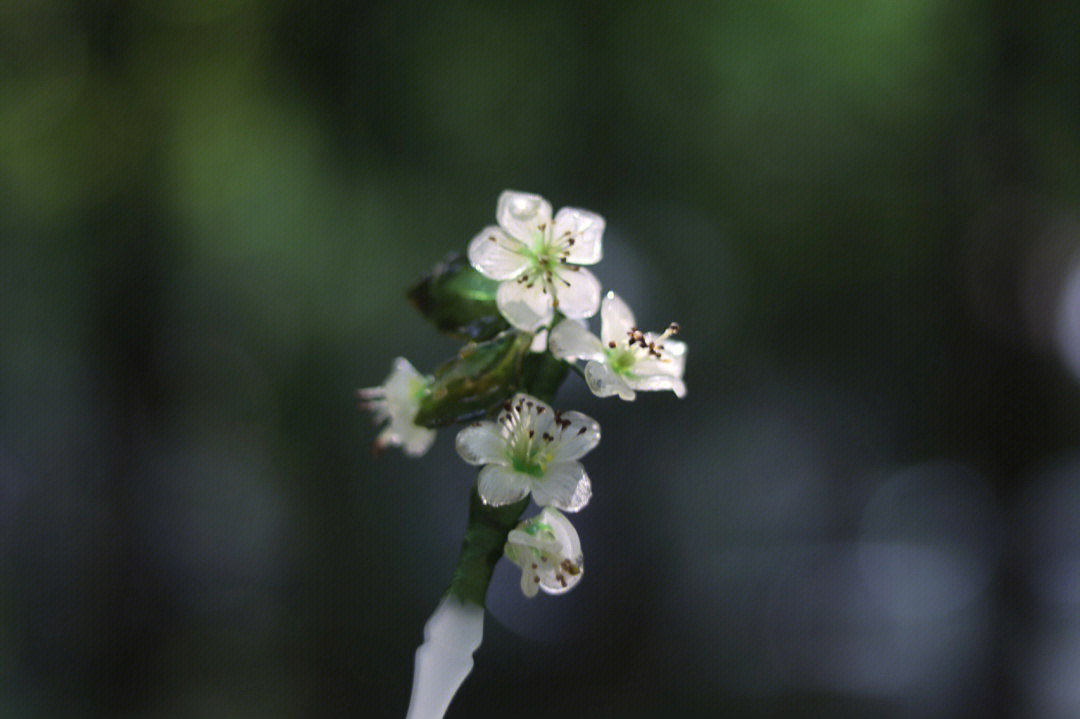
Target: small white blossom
[623, 360]
[398, 400]
[531, 448]
[548, 550]
[538, 260]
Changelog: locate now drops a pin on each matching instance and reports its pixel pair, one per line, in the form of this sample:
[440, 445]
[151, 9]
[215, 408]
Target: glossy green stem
[482, 548]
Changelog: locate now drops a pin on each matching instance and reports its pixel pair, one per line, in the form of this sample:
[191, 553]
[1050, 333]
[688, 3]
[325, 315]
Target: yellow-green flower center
[531, 468]
[621, 360]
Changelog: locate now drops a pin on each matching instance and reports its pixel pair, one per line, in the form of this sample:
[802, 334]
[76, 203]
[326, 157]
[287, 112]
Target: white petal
[659, 382]
[572, 341]
[521, 542]
[564, 531]
[401, 384]
[494, 255]
[524, 412]
[482, 443]
[520, 214]
[672, 363]
[539, 342]
[529, 585]
[551, 585]
[564, 485]
[616, 319]
[578, 438]
[499, 485]
[604, 382]
[417, 440]
[526, 308]
[587, 229]
[580, 297]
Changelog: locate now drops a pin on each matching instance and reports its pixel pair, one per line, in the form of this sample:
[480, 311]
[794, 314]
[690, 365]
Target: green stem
[482, 547]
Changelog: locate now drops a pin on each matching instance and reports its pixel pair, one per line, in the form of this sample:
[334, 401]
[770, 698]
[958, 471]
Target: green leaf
[459, 300]
[482, 376]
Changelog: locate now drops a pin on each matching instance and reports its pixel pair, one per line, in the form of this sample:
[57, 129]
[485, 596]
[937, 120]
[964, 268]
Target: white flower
[530, 448]
[539, 260]
[623, 359]
[547, 549]
[398, 400]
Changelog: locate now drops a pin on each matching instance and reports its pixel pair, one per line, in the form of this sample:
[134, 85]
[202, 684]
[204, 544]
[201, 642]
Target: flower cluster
[536, 266]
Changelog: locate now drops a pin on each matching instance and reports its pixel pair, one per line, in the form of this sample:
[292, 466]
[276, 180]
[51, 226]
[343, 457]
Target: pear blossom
[531, 448]
[623, 360]
[539, 260]
[398, 400]
[548, 550]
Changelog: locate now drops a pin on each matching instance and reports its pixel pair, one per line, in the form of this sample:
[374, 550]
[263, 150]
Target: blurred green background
[863, 215]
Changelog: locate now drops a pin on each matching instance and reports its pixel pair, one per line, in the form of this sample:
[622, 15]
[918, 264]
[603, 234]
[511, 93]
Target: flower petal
[401, 383]
[523, 413]
[616, 319]
[659, 382]
[526, 308]
[573, 341]
[539, 342]
[580, 296]
[520, 214]
[577, 438]
[671, 364]
[417, 440]
[495, 255]
[604, 382]
[564, 485]
[521, 542]
[529, 585]
[500, 485]
[586, 228]
[551, 584]
[482, 443]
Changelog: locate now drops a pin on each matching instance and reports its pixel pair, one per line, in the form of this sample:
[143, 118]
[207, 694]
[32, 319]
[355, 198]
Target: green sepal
[482, 376]
[482, 547]
[459, 300]
[542, 375]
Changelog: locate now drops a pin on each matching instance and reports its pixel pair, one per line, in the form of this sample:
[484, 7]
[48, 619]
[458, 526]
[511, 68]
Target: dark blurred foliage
[863, 215]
